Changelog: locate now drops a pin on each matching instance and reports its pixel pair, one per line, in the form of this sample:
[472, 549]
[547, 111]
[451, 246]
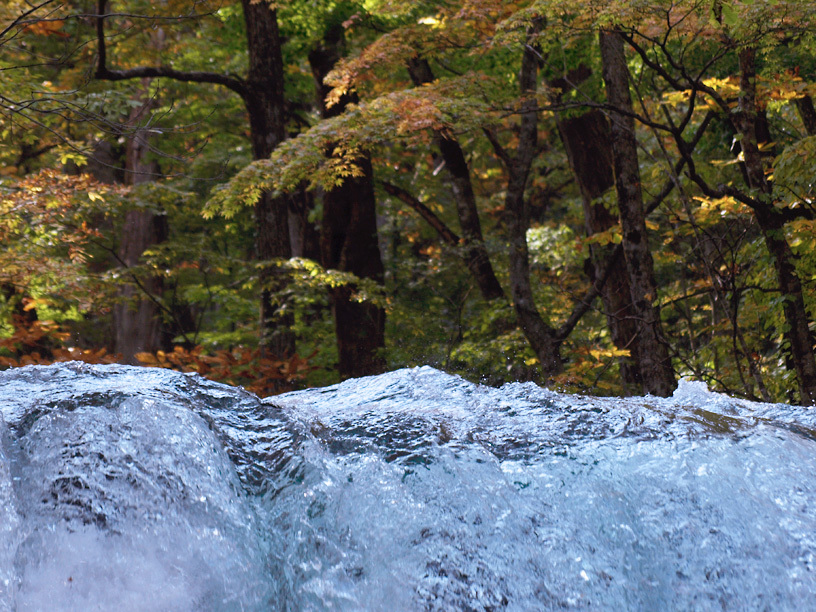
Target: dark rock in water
[140, 489]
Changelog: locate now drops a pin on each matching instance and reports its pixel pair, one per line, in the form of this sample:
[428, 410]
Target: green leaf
[730, 16]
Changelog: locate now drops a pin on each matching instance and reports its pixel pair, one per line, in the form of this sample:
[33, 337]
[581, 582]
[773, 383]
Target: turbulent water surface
[140, 489]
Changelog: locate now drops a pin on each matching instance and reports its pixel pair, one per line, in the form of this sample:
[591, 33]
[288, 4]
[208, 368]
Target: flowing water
[139, 489]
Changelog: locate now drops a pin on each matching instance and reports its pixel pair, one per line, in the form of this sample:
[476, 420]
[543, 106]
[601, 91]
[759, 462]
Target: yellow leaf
[147, 358]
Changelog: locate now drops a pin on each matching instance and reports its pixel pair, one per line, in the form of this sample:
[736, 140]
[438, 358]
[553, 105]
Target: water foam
[138, 489]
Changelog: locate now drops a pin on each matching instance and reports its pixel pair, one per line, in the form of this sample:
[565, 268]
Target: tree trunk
[541, 336]
[772, 223]
[798, 331]
[263, 96]
[137, 320]
[264, 102]
[656, 369]
[456, 167]
[349, 243]
[587, 142]
[348, 240]
[304, 236]
[807, 113]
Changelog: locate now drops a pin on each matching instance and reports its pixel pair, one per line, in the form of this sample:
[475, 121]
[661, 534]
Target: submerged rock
[132, 489]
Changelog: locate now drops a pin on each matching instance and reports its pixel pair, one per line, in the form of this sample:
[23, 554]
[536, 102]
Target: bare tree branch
[102, 72]
[448, 235]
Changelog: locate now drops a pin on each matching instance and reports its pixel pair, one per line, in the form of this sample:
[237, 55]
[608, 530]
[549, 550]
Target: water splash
[136, 489]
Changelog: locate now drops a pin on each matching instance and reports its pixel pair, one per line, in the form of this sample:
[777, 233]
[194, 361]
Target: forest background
[597, 196]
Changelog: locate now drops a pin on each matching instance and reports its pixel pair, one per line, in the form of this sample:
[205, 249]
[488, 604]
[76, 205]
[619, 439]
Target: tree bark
[264, 100]
[656, 369]
[798, 332]
[137, 322]
[456, 167]
[263, 96]
[348, 240]
[445, 233]
[304, 235]
[541, 336]
[772, 223]
[587, 141]
[808, 114]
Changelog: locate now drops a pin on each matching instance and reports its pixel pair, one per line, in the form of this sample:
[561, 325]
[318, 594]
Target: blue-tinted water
[139, 489]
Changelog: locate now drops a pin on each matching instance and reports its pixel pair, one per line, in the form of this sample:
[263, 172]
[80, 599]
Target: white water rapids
[140, 489]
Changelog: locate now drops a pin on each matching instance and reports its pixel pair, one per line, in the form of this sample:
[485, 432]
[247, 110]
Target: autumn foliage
[42, 343]
[239, 366]
[427, 182]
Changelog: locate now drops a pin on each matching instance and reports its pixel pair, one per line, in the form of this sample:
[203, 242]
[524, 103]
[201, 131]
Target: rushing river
[140, 489]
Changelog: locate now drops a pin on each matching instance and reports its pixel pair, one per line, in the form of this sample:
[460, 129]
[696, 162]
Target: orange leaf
[47, 28]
